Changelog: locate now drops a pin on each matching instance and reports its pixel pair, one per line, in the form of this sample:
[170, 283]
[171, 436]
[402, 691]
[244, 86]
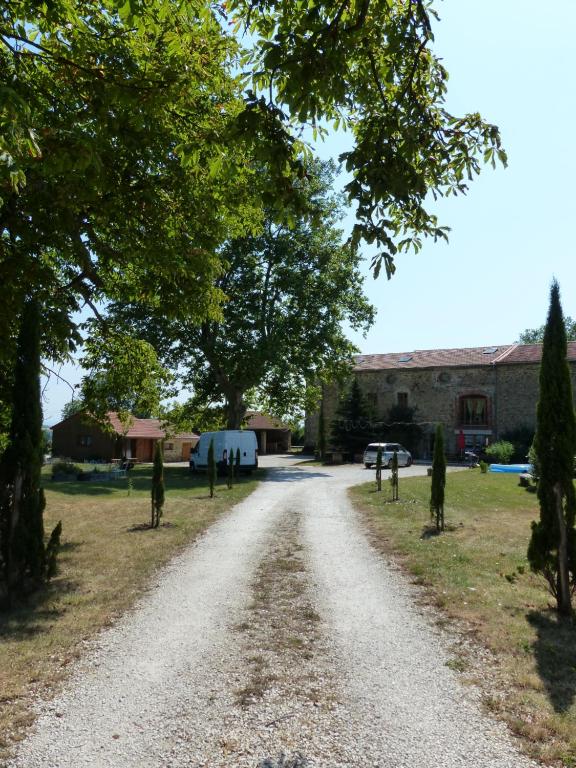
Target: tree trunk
[564, 600]
[235, 409]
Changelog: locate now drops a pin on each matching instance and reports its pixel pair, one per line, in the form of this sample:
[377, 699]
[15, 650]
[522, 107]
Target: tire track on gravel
[410, 710]
[281, 630]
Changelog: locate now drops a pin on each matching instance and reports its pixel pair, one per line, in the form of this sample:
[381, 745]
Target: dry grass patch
[282, 624]
[108, 557]
[477, 573]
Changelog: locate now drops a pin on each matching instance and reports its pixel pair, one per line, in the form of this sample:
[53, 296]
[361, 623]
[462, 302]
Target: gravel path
[280, 630]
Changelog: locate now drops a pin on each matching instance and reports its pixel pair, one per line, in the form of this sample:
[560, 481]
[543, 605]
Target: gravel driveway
[280, 630]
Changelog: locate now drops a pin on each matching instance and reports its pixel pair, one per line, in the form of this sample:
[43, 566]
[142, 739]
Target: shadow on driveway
[289, 475]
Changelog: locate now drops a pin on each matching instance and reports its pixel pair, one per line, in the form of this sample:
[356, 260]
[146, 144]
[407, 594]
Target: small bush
[502, 451]
[65, 468]
[521, 438]
[484, 467]
[535, 464]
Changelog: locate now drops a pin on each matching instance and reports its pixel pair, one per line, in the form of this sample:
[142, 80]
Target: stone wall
[518, 391]
[511, 391]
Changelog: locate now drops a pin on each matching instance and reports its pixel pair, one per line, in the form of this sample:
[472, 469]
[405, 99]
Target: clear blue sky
[512, 62]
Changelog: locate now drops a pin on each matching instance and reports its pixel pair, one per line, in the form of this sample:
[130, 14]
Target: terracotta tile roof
[147, 428]
[532, 353]
[255, 420]
[150, 428]
[502, 354]
[431, 358]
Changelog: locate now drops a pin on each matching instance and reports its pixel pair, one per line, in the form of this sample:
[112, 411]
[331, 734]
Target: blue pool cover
[510, 467]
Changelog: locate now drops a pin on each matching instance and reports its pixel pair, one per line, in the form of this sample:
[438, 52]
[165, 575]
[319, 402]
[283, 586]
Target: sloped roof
[532, 353]
[256, 420]
[497, 354]
[151, 429]
[430, 358]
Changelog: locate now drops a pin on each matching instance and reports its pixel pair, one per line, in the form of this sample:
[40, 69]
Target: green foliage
[552, 549]
[46, 440]
[401, 427]
[124, 376]
[372, 68]
[536, 335]
[237, 462]
[76, 405]
[394, 476]
[521, 438]
[98, 182]
[194, 416]
[321, 432]
[22, 552]
[438, 480]
[484, 467]
[231, 469]
[379, 469]
[289, 293]
[64, 468]
[352, 428]
[212, 468]
[117, 121]
[501, 451]
[158, 491]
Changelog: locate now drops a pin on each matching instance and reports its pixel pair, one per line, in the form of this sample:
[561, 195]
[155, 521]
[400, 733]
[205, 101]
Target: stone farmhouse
[481, 393]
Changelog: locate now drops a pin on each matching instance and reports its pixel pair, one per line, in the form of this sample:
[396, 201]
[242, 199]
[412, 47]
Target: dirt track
[281, 630]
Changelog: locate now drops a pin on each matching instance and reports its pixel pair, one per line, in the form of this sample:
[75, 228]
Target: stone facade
[480, 393]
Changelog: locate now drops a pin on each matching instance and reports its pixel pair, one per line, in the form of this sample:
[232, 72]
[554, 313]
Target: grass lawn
[107, 558]
[477, 573]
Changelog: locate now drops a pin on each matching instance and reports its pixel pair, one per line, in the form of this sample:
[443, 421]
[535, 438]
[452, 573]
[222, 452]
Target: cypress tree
[212, 469]
[237, 462]
[352, 428]
[438, 480]
[231, 469]
[158, 491]
[379, 469]
[552, 548]
[394, 477]
[321, 432]
[22, 554]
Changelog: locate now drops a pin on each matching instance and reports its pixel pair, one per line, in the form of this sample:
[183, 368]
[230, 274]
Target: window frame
[466, 420]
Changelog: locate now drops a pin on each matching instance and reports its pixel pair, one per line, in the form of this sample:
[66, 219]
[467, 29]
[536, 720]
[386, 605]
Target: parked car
[226, 441]
[371, 452]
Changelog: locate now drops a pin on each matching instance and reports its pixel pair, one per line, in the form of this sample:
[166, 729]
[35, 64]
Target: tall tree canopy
[288, 293]
[536, 335]
[369, 65]
[133, 137]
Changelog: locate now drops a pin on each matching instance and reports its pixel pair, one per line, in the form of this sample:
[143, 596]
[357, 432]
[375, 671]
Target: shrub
[502, 451]
[158, 490]
[484, 467]
[212, 468]
[535, 464]
[65, 468]
[438, 480]
[521, 438]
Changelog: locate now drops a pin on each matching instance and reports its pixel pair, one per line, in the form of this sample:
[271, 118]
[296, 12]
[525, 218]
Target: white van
[225, 441]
